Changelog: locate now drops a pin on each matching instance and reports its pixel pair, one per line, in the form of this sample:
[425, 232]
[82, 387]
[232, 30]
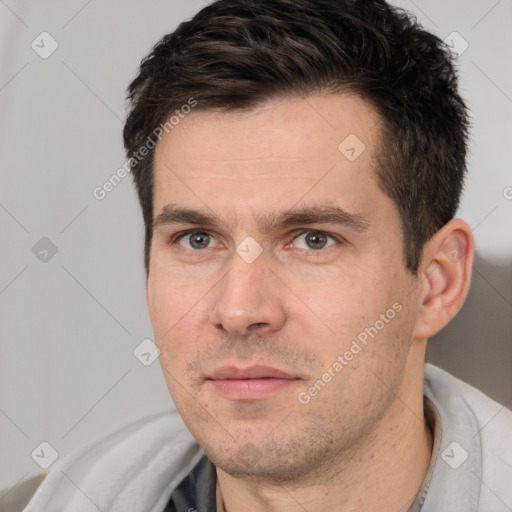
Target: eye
[314, 240]
[194, 240]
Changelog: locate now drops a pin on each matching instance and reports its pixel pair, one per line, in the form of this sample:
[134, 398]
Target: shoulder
[491, 416]
[145, 459]
[16, 498]
[483, 420]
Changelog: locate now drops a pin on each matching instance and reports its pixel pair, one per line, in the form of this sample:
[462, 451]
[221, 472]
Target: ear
[445, 271]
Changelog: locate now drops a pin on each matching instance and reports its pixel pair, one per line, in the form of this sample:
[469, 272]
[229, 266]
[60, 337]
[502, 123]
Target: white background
[69, 326]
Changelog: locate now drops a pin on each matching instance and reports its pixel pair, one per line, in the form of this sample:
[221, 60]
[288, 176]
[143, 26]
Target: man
[299, 165]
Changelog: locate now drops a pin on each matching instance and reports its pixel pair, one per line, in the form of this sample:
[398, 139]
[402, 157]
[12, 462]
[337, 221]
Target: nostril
[257, 325]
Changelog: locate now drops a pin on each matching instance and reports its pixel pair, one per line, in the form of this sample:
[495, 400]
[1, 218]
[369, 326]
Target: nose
[249, 299]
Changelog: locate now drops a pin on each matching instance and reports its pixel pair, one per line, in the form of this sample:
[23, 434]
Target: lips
[252, 383]
[253, 372]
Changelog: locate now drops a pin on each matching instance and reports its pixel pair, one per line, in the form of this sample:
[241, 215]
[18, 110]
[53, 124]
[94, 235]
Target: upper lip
[251, 372]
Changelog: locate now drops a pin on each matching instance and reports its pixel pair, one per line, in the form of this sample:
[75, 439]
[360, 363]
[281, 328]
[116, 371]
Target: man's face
[253, 307]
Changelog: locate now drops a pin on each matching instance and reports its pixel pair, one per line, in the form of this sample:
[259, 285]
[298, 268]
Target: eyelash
[296, 234]
[319, 252]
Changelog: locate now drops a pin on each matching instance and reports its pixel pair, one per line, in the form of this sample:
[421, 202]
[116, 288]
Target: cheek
[170, 299]
[365, 321]
[340, 303]
[174, 321]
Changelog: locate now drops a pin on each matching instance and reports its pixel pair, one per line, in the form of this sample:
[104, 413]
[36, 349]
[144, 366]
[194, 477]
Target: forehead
[287, 127]
[317, 149]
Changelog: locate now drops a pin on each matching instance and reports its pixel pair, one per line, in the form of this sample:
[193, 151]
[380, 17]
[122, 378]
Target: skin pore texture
[310, 287]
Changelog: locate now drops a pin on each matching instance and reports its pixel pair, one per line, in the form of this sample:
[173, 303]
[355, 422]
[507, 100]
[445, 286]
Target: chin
[271, 460]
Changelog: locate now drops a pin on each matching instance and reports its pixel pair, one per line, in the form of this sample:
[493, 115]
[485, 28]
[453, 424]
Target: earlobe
[447, 262]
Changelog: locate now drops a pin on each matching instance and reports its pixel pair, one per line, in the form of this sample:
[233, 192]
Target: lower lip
[250, 389]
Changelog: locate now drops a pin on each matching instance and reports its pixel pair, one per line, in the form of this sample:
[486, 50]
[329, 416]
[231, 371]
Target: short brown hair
[236, 53]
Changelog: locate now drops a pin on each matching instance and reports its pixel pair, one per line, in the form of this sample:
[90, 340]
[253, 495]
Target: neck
[384, 473]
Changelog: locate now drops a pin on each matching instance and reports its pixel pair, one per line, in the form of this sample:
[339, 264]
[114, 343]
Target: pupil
[199, 240]
[316, 240]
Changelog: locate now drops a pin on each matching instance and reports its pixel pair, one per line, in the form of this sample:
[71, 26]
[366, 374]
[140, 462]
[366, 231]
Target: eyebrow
[315, 214]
